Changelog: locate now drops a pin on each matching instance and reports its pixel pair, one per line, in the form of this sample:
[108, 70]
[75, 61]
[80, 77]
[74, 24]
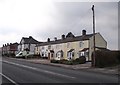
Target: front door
[49, 56]
[58, 56]
[70, 55]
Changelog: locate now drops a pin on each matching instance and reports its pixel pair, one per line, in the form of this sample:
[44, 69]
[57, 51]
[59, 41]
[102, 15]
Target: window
[43, 47]
[59, 54]
[49, 47]
[82, 53]
[81, 44]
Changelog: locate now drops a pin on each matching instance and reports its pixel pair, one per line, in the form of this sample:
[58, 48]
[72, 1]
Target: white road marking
[41, 70]
[8, 79]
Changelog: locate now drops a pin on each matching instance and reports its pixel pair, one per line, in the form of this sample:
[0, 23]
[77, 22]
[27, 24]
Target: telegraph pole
[93, 35]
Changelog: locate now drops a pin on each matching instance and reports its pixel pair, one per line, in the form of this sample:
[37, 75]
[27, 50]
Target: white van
[21, 54]
[24, 54]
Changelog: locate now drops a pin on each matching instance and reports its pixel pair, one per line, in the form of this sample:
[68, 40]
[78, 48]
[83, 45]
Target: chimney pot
[83, 32]
[63, 36]
[30, 36]
[48, 39]
[55, 38]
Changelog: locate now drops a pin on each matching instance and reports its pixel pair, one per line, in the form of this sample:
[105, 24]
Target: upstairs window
[49, 47]
[43, 48]
[81, 44]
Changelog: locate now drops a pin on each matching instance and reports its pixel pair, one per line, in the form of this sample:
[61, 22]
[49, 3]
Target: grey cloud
[75, 16]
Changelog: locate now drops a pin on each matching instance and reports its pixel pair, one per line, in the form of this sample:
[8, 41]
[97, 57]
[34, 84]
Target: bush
[54, 61]
[12, 54]
[69, 63]
[63, 61]
[32, 56]
[80, 60]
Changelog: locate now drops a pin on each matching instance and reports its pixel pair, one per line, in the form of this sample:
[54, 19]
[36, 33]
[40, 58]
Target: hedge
[80, 60]
[9, 54]
[106, 58]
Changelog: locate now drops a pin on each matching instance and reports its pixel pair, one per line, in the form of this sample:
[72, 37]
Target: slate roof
[30, 40]
[68, 39]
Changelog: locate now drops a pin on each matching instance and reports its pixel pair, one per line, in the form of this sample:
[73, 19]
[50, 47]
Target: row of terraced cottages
[70, 46]
[9, 49]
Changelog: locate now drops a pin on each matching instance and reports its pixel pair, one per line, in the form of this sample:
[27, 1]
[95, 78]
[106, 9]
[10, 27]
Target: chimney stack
[55, 38]
[48, 39]
[7, 44]
[30, 36]
[83, 32]
[63, 36]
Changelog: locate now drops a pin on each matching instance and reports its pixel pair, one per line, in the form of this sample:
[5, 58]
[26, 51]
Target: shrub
[80, 60]
[12, 54]
[54, 61]
[30, 56]
[69, 63]
[63, 61]
[7, 54]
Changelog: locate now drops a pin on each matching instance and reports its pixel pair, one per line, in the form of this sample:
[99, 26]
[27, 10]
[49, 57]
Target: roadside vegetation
[80, 60]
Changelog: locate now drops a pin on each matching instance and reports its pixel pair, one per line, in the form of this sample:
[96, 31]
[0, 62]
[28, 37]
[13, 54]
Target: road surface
[25, 72]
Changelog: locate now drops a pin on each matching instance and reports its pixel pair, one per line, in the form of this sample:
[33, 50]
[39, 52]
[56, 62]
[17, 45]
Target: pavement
[86, 66]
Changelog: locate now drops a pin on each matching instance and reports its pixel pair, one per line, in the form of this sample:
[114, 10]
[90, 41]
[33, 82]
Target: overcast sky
[52, 18]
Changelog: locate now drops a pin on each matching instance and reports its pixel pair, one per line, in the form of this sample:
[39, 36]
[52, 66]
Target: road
[25, 72]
